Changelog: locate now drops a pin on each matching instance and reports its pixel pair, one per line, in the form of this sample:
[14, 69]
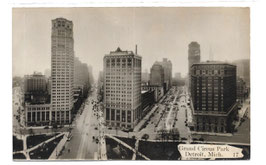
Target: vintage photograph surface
[145, 83]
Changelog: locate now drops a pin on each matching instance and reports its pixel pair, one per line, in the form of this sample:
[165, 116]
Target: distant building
[242, 91]
[177, 75]
[243, 70]
[213, 93]
[62, 71]
[91, 78]
[122, 89]
[193, 57]
[47, 73]
[145, 77]
[37, 100]
[100, 86]
[167, 67]
[178, 80]
[17, 81]
[35, 83]
[81, 77]
[157, 75]
[36, 89]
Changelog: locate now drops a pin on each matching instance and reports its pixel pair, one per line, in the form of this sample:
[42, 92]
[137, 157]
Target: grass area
[159, 150]
[131, 142]
[37, 139]
[17, 144]
[116, 151]
[45, 150]
[19, 156]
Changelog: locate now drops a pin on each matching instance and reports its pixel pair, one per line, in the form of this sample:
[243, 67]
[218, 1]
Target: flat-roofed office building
[122, 89]
[213, 93]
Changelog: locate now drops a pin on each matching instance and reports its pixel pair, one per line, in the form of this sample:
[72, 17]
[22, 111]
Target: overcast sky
[158, 32]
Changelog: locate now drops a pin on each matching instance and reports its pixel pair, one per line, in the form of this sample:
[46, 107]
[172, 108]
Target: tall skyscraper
[157, 75]
[122, 88]
[62, 70]
[213, 93]
[193, 57]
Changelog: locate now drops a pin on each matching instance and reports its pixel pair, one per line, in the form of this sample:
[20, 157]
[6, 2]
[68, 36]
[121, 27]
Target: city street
[18, 112]
[170, 114]
[81, 146]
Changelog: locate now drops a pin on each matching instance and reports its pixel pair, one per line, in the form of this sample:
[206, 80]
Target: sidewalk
[58, 148]
[211, 133]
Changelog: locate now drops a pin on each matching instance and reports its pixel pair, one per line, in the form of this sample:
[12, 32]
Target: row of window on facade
[118, 99]
[210, 72]
[123, 62]
[209, 128]
[38, 108]
[110, 115]
[59, 104]
[112, 104]
[62, 24]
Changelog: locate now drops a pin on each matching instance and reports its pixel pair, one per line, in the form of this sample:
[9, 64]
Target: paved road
[181, 117]
[17, 110]
[81, 145]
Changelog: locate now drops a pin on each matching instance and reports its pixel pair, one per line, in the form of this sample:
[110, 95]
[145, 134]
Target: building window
[117, 115]
[107, 114]
[38, 116]
[47, 116]
[29, 116]
[123, 116]
[129, 116]
[112, 114]
[33, 116]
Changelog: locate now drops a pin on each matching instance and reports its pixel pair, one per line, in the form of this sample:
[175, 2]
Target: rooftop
[213, 63]
[119, 51]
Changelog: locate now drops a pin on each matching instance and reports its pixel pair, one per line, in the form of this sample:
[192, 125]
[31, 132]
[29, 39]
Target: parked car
[46, 127]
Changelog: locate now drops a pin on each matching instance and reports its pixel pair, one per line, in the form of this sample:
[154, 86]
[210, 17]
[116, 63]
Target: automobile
[96, 128]
[46, 127]
[69, 137]
[201, 139]
[109, 128]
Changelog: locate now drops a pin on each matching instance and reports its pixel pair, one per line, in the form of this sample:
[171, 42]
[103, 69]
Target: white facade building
[122, 89]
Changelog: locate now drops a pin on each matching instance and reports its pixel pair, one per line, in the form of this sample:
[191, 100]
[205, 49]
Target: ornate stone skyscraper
[62, 70]
[122, 89]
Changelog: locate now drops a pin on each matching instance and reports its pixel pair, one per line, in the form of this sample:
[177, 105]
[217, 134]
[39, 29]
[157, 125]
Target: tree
[145, 137]
[31, 132]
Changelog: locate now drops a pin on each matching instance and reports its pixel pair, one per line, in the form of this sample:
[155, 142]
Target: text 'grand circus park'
[128, 113]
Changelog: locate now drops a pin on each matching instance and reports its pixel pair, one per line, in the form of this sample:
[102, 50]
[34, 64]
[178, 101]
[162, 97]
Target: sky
[159, 32]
